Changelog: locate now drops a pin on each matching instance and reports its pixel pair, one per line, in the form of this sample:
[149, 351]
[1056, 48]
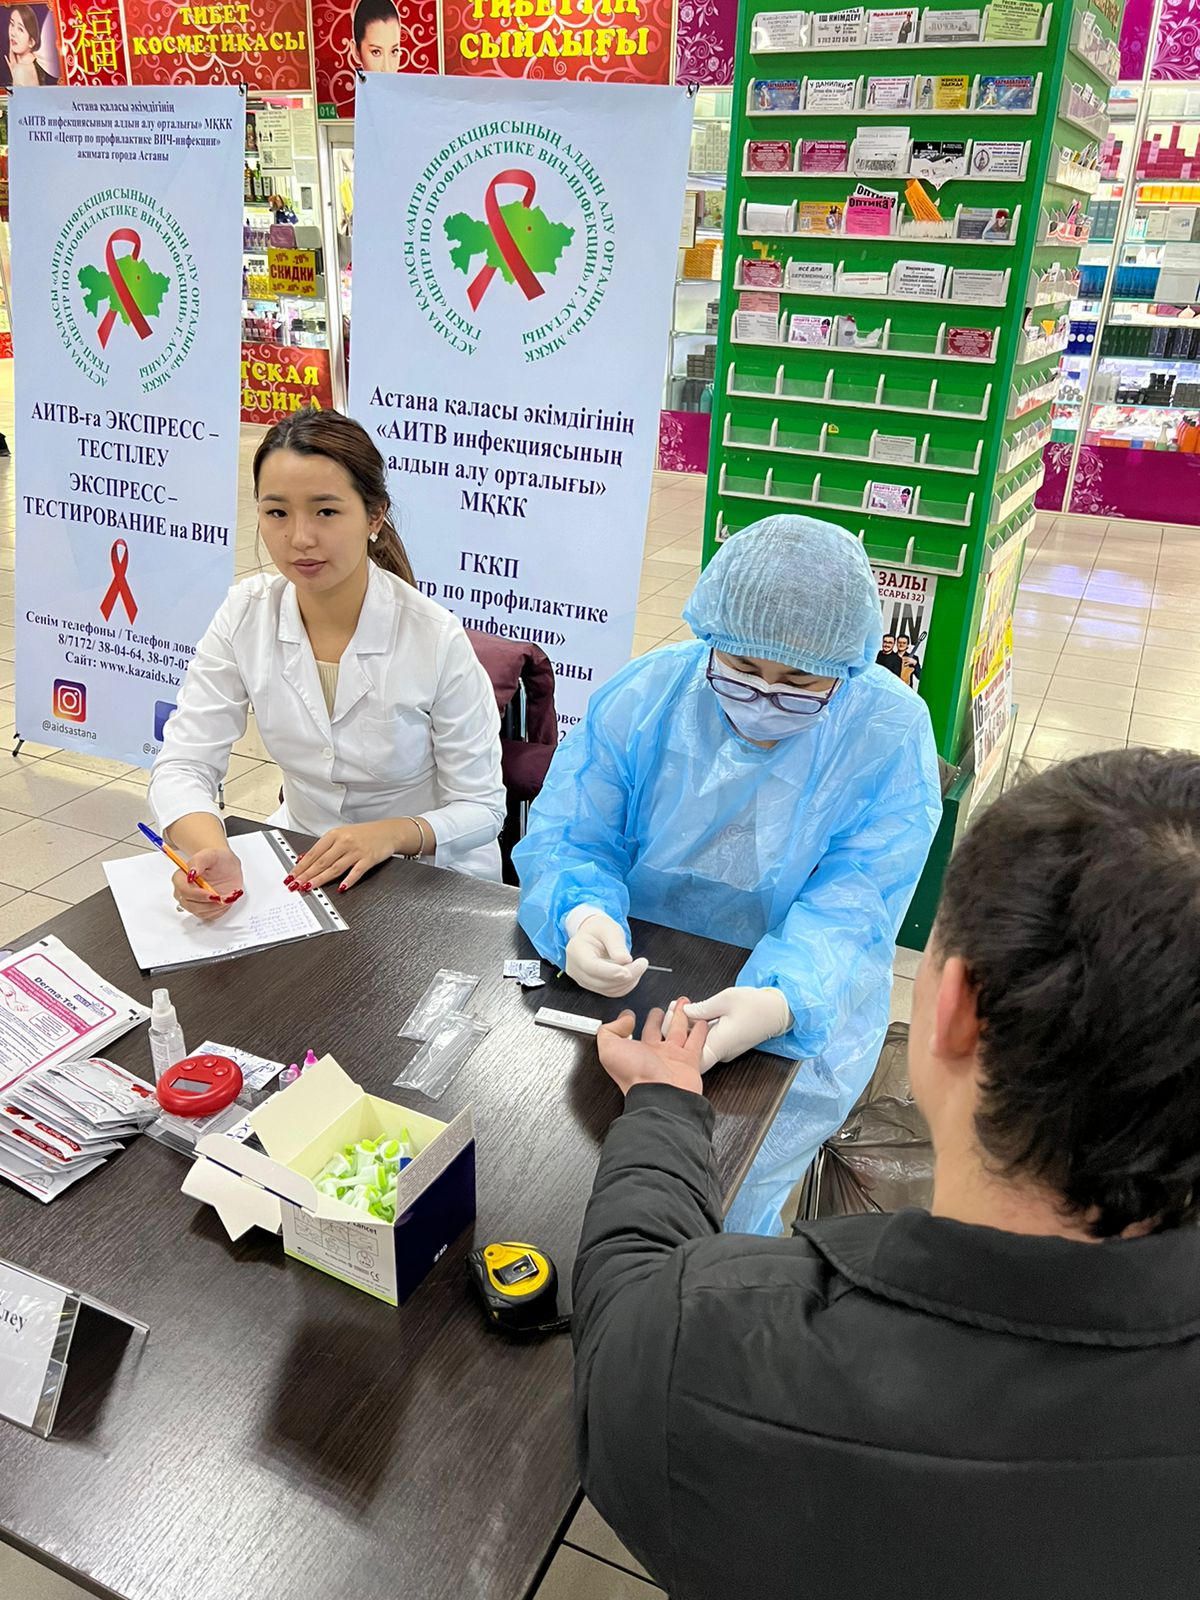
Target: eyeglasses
[793, 700]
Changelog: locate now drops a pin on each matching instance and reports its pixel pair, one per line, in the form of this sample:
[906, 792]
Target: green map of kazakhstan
[146, 288]
[539, 240]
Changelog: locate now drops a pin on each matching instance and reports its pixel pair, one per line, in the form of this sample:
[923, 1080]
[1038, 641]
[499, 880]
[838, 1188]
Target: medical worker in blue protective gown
[768, 786]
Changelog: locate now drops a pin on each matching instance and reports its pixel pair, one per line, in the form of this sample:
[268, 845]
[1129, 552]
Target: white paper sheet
[160, 936]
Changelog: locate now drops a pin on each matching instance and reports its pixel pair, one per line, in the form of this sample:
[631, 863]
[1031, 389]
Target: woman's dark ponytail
[387, 551]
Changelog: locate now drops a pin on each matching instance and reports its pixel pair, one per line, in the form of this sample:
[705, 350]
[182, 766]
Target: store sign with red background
[264, 43]
[89, 43]
[278, 379]
[598, 41]
[261, 43]
[484, 37]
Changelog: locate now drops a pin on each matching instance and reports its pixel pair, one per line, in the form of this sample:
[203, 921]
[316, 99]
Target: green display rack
[899, 381]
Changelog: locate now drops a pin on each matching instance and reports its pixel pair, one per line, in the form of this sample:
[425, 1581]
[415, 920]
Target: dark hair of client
[368, 11]
[1074, 901]
[341, 439]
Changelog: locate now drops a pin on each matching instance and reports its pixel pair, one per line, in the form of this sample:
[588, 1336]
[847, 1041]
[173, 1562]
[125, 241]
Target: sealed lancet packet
[448, 993]
[438, 1062]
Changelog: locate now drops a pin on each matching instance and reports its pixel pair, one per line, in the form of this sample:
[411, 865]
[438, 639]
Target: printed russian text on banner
[126, 214]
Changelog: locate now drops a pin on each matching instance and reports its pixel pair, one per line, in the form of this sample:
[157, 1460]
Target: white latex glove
[739, 1020]
[598, 958]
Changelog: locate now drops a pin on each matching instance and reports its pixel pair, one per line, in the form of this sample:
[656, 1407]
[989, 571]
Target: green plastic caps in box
[363, 1175]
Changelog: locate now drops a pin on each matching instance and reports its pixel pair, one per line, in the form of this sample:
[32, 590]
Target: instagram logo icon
[70, 701]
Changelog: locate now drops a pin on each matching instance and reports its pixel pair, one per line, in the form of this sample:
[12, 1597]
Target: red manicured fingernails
[342, 887]
[215, 898]
[236, 895]
[289, 880]
[305, 887]
[192, 875]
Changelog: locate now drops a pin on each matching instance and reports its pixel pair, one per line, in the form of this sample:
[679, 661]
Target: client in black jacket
[999, 1400]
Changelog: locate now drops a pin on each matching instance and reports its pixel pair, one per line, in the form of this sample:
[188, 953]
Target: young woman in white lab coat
[366, 693]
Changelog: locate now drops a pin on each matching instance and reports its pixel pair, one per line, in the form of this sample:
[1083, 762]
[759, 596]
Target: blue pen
[161, 844]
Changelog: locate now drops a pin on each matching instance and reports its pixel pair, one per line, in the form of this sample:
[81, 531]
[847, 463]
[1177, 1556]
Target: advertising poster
[30, 53]
[278, 379]
[352, 36]
[126, 401]
[260, 43]
[991, 665]
[906, 600]
[515, 261]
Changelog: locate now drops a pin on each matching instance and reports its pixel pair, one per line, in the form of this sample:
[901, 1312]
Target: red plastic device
[198, 1086]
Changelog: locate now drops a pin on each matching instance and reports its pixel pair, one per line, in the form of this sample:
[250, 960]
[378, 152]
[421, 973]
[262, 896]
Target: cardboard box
[300, 1129]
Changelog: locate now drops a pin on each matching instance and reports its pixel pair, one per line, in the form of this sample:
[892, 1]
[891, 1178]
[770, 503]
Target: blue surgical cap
[793, 590]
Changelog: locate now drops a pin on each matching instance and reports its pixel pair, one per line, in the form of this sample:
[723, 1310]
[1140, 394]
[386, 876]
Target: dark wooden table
[282, 1436]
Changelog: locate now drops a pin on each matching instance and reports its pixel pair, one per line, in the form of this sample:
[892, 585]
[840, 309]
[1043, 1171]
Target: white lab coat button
[327, 754]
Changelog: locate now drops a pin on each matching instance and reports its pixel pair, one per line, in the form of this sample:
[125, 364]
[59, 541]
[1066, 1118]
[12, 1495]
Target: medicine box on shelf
[988, 95]
[797, 32]
[895, 155]
[830, 330]
[300, 1128]
[882, 220]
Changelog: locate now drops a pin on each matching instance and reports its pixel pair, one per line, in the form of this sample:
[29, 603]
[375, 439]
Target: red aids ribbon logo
[507, 245]
[119, 588]
[121, 288]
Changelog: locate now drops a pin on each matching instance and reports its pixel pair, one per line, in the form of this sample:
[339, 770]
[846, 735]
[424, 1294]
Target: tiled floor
[1107, 653]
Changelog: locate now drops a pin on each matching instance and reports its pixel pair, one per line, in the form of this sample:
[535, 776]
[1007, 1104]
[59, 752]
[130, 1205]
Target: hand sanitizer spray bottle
[166, 1036]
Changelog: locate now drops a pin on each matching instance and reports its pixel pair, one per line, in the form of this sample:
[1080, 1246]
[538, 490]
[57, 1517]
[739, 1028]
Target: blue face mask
[760, 712]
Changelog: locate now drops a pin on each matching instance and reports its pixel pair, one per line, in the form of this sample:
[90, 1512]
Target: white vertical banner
[514, 262]
[126, 254]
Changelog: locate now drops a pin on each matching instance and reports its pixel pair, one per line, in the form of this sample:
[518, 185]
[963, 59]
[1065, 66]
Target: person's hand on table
[739, 1020]
[599, 959]
[348, 851]
[220, 868]
[666, 1053]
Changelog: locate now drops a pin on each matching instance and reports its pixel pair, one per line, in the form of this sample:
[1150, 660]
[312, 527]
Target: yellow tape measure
[518, 1285]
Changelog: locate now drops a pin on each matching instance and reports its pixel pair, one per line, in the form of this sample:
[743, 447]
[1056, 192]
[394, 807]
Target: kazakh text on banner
[514, 264]
[126, 402]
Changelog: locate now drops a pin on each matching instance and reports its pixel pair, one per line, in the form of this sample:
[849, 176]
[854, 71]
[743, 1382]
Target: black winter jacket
[882, 1407]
